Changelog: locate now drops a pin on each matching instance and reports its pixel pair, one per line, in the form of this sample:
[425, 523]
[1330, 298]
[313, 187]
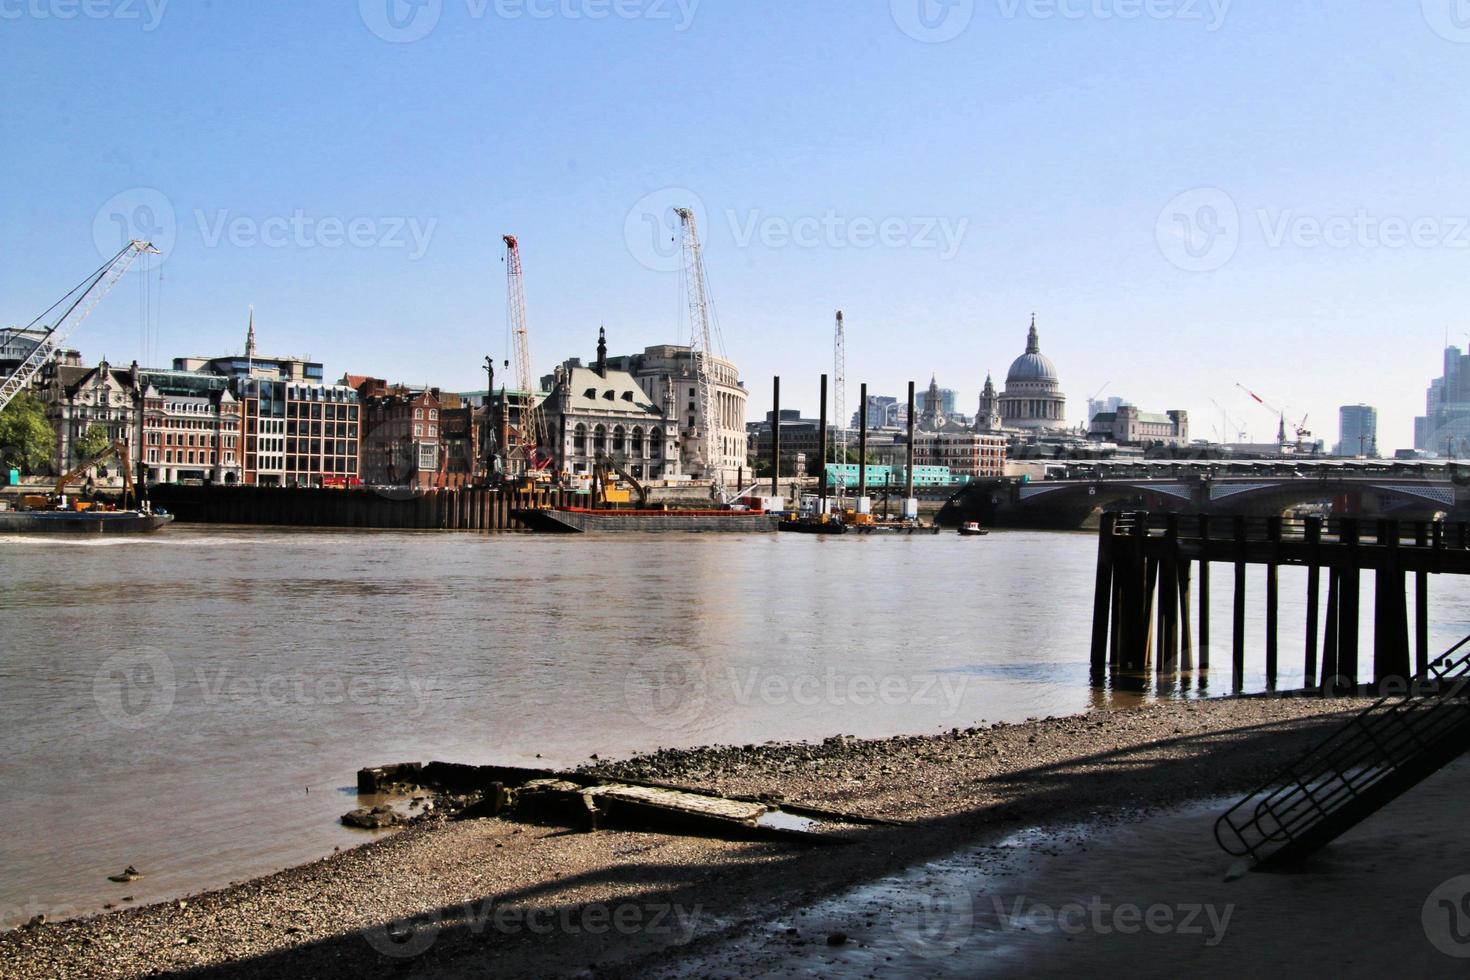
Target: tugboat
[972, 529]
[40, 514]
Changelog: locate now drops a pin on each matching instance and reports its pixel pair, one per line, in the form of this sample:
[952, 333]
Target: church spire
[250, 334]
[1033, 339]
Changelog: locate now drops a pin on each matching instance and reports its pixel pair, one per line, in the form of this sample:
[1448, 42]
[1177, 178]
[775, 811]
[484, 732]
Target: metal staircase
[1373, 759]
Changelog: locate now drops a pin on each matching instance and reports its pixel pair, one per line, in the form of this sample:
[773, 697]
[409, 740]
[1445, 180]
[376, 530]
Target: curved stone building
[1033, 398]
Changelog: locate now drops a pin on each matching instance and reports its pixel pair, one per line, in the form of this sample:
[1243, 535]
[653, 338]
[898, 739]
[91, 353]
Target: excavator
[57, 500]
[603, 490]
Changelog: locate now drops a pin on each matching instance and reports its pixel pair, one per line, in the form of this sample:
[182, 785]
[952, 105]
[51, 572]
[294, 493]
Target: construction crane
[839, 392]
[701, 345]
[1302, 432]
[529, 432]
[1224, 428]
[82, 300]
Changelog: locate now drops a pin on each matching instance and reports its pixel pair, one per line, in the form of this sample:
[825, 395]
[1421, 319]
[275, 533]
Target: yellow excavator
[604, 486]
[58, 500]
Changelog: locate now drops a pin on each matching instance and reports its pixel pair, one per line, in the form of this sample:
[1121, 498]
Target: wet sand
[505, 898]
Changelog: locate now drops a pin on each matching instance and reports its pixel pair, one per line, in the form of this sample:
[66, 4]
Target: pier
[1147, 625]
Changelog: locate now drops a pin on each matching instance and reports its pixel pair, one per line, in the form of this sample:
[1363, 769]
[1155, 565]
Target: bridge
[1076, 494]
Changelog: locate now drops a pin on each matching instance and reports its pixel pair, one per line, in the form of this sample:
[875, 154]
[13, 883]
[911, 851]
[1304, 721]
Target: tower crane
[1302, 432]
[82, 299]
[701, 346]
[839, 393]
[529, 432]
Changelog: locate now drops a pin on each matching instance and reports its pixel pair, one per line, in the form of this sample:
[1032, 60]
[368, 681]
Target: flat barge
[577, 520]
[81, 522]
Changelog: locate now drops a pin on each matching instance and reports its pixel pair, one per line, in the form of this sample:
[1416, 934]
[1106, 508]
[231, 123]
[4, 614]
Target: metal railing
[1407, 735]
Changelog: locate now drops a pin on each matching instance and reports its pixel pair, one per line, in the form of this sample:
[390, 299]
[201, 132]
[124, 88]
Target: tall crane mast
[839, 393]
[88, 294]
[529, 432]
[701, 345]
[1302, 432]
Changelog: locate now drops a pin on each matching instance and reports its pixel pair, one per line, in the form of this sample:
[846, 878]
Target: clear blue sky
[1055, 136]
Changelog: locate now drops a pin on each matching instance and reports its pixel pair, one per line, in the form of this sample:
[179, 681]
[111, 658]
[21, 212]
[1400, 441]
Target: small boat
[972, 529]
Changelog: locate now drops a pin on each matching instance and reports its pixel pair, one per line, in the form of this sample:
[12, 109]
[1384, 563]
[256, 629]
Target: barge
[81, 522]
[578, 520]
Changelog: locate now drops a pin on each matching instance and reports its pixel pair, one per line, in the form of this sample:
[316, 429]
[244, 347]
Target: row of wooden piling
[1143, 599]
[467, 509]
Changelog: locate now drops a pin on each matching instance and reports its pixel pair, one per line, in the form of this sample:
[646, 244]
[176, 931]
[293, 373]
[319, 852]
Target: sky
[1189, 194]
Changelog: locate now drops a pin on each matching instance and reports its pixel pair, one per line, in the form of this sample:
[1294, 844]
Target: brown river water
[196, 703]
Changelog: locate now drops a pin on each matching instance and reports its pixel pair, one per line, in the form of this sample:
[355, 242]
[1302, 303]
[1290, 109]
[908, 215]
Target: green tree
[26, 439]
[91, 442]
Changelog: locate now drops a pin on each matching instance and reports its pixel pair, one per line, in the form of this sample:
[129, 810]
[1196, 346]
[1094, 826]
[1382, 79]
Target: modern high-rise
[1444, 428]
[1357, 431]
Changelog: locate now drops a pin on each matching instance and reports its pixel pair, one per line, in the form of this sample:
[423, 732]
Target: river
[196, 703]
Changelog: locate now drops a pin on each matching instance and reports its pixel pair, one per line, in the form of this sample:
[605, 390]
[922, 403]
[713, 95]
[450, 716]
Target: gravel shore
[500, 897]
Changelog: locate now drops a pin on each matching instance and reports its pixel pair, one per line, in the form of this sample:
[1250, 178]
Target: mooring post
[1390, 619]
[775, 439]
[1168, 661]
[822, 452]
[1330, 678]
[1237, 649]
[1273, 603]
[1102, 597]
[1421, 606]
[1314, 587]
[1347, 605]
[1204, 597]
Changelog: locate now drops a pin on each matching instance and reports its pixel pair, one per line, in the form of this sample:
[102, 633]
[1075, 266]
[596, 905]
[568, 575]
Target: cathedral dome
[1032, 365]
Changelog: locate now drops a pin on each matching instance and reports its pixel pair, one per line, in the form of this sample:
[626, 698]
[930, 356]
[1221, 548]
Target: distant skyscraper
[1357, 428]
[1096, 406]
[1444, 428]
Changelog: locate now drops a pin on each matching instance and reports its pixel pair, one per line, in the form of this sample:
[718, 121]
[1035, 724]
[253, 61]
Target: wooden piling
[1237, 650]
[1314, 588]
[1347, 605]
[1102, 595]
[1330, 679]
[1421, 606]
[1186, 632]
[1273, 604]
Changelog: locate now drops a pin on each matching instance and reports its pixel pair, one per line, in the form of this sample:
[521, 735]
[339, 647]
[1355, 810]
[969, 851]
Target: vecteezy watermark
[937, 21]
[834, 230]
[135, 690]
[410, 937]
[1446, 917]
[305, 231]
[1199, 230]
[668, 696]
[676, 693]
[149, 13]
[944, 692]
[406, 21]
[938, 922]
[139, 213]
[1202, 230]
[653, 230]
[932, 21]
[1450, 19]
[1210, 13]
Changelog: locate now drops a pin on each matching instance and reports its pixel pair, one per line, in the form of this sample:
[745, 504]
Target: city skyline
[1162, 257]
